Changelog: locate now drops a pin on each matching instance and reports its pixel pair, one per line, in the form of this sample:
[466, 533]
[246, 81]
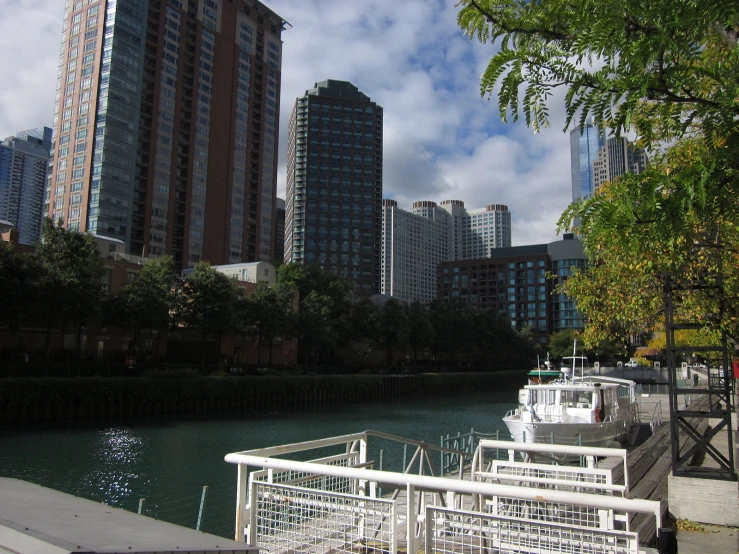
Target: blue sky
[441, 140]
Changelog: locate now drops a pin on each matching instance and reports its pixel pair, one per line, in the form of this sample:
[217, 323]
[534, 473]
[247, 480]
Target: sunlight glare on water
[168, 461]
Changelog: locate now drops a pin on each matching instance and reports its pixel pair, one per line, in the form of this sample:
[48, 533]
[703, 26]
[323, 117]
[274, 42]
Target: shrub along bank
[31, 400]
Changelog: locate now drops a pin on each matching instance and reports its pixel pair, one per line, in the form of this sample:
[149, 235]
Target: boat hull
[586, 434]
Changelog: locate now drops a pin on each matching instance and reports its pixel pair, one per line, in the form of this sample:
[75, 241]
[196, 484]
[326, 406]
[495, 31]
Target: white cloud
[441, 139]
[31, 31]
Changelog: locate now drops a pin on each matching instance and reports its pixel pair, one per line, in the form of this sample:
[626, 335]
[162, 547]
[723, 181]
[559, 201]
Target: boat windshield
[574, 398]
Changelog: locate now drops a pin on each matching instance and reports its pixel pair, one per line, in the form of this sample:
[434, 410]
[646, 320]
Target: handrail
[543, 448]
[427, 482]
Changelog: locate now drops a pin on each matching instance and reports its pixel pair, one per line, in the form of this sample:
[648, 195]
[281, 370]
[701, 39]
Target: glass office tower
[584, 148]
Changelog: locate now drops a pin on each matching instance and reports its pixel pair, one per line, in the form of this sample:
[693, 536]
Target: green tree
[561, 344]
[324, 308]
[18, 275]
[148, 301]
[71, 279]
[420, 330]
[453, 324]
[365, 328]
[666, 71]
[269, 308]
[393, 328]
[493, 337]
[207, 302]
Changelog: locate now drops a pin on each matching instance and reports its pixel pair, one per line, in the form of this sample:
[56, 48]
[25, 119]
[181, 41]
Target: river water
[168, 461]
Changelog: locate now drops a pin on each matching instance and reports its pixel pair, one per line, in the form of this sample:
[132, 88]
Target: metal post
[410, 524]
[405, 456]
[379, 490]
[202, 507]
[141, 505]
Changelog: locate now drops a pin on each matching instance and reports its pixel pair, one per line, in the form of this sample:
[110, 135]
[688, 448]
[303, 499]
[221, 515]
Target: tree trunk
[269, 362]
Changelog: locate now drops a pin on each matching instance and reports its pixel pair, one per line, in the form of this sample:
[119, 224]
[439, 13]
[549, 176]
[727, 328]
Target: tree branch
[491, 18]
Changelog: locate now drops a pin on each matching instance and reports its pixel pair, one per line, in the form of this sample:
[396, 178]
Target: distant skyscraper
[473, 233]
[166, 126]
[24, 162]
[616, 158]
[333, 213]
[584, 147]
[414, 243]
[413, 246]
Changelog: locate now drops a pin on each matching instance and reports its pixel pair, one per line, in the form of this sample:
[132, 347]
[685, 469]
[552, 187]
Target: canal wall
[24, 400]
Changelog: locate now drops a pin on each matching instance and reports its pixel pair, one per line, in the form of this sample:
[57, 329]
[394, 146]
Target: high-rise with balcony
[166, 126]
[24, 161]
[333, 209]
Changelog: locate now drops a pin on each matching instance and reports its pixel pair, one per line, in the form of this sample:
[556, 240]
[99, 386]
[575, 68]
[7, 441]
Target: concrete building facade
[24, 161]
[166, 126]
[412, 248]
[414, 243]
[333, 209]
[615, 158]
[513, 281]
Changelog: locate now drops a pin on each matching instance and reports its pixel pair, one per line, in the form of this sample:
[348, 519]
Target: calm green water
[168, 462]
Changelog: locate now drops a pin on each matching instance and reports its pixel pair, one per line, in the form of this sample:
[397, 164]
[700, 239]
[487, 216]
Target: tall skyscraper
[333, 214]
[413, 246]
[584, 147]
[166, 126]
[615, 158]
[24, 162]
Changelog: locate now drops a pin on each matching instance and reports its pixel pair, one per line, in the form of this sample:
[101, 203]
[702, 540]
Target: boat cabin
[568, 404]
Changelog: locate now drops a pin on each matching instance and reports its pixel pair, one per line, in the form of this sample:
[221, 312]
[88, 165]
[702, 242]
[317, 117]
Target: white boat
[564, 408]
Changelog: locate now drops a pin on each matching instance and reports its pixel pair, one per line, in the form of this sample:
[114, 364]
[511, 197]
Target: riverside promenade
[693, 536]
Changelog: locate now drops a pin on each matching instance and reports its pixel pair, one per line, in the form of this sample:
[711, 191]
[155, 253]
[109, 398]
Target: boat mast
[574, 360]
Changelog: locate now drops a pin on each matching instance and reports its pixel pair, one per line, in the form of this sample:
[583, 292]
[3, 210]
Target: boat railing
[284, 517]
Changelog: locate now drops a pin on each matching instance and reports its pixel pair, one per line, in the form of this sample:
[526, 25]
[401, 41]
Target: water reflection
[168, 462]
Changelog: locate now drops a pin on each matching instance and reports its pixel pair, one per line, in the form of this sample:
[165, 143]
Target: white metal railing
[454, 531]
[295, 519]
[534, 452]
[651, 411]
[288, 515]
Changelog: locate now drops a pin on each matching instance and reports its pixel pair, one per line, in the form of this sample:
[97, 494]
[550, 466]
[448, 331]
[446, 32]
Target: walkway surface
[715, 540]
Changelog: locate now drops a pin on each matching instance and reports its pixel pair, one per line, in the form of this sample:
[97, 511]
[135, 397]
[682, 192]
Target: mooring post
[141, 505]
[202, 507]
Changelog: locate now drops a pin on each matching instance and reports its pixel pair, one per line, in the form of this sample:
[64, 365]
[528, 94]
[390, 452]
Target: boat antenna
[574, 361]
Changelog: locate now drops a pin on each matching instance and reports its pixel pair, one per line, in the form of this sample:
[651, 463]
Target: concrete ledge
[704, 500]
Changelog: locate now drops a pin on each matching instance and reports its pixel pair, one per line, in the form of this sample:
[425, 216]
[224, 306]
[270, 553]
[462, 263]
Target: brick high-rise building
[167, 124]
[333, 214]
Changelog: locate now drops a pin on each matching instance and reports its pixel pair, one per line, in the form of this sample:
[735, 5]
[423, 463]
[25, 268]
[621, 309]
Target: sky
[441, 139]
